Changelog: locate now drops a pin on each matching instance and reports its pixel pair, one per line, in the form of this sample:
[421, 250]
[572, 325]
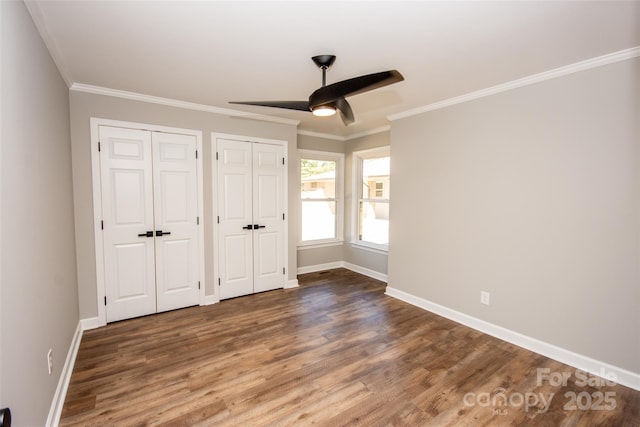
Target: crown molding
[368, 132]
[525, 81]
[38, 19]
[97, 90]
[345, 138]
[321, 135]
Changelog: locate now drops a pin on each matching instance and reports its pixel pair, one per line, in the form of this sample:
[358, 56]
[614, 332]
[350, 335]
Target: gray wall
[84, 106]
[356, 254]
[317, 143]
[39, 308]
[534, 196]
[322, 255]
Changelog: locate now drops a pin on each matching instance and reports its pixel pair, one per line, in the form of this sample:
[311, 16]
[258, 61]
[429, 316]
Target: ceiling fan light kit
[324, 111]
[329, 99]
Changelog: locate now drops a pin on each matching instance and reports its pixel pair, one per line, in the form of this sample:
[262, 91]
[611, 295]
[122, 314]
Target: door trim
[214, 194]
[95, 123]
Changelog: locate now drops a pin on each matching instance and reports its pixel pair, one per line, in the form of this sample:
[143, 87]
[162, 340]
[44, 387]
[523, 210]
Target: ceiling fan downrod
[324, 62]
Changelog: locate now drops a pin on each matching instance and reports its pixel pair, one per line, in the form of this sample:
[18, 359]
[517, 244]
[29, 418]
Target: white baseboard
[366, 272]
[320, 267]
[293, 283]
[55, 411]
[210, 299]
[342, 264]
[90, 323]
[595, 367]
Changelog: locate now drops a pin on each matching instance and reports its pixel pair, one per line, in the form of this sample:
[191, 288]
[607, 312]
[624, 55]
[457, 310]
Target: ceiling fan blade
[346, 113]
[349, 87]
[289, 105]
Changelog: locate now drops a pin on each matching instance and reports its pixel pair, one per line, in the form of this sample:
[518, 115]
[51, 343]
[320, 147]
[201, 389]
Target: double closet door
[251, 217]
[150, 221]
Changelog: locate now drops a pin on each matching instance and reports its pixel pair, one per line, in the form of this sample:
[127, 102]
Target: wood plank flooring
[335, 351]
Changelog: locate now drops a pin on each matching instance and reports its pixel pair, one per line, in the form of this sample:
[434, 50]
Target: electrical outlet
[50, 360]
[484, 297]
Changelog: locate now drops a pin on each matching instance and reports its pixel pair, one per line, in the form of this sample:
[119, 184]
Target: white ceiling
[212, 52]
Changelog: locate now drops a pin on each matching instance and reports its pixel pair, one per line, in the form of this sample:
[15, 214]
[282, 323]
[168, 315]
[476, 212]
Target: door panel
[127, 192]
[127, 196]
[125, 148]
[236, 260]
[176, 274]
[234, 206]
[174, 209]
[267, 188]
[176, 212]
[237, 190]
[268, 259]
[131, 275]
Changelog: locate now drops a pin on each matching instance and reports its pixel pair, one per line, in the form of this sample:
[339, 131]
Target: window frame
[358, 158]
[328, 156]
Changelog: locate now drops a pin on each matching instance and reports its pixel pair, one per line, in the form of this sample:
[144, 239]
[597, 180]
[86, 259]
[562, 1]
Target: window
[379, 189]
[320, 197]
[372, 179]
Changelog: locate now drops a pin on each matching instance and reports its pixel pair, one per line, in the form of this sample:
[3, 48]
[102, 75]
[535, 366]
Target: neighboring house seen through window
[372, 180]
[320, 197]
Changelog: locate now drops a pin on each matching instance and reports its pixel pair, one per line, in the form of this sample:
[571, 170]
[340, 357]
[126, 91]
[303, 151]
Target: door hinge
[198, 284]
[105, 300]
[219, 281]
[196, 154]
[98, 146]
[283, 217]
[102, 225]
[216, 155]
[283, 270]
[197, 220]
[283, 160]
[218, 220]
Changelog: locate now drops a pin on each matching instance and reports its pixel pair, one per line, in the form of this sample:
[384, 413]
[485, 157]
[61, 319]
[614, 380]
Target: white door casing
[127, 193]
[176, 212]
[251, 228]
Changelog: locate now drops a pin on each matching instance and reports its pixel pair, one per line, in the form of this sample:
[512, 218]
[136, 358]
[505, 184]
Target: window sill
[370, 248]
[305, 246]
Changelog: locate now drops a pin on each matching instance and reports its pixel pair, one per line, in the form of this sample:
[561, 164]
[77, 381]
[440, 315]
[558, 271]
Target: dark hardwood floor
[335, 351]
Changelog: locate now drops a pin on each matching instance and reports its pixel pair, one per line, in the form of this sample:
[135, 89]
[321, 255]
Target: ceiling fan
[329, 99]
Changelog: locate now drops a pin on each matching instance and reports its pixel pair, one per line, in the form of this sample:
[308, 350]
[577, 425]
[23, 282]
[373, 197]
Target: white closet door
[235, 257]
[268, 208]
[176, 228]
[127, 194]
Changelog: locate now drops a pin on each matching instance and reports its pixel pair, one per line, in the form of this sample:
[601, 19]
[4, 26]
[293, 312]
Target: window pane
[375, 178]
[374, 222]
[318, 179]
[379, 189]
[318, 220]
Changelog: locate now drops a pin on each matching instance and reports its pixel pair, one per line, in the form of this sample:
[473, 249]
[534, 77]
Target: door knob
[256, 226]
[162, 233]
[147, 234]
[248, 227]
